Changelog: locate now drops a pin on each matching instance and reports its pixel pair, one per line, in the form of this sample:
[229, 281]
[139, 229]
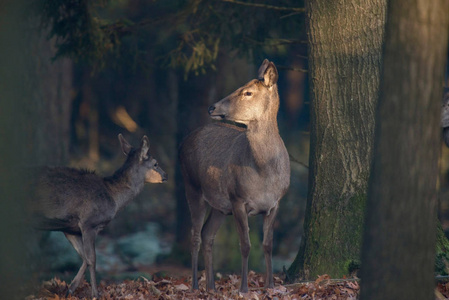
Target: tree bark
[344, 63]
[399, 241]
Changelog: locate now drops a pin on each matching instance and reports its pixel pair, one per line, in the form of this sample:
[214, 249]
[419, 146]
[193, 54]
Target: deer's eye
[248, 94]
[155, 165]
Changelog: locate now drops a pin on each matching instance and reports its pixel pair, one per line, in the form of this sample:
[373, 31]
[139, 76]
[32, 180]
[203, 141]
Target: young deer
[237, 171]
[80, 203]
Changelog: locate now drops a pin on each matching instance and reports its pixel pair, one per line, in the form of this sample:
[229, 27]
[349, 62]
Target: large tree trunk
[344, 62]
[399, 245]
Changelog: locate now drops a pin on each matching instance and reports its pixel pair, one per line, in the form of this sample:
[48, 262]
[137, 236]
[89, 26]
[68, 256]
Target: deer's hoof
[69, 293]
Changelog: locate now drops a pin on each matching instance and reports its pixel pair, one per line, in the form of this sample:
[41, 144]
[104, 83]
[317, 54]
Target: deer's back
[217, 160]
[66, 197]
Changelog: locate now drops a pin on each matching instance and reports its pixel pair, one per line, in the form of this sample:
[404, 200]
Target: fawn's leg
[77, 243]
[89, 236]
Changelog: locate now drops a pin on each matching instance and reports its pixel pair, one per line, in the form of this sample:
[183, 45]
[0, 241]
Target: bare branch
[266, 6]
[278, 42]
[293, 159]
[292, 69]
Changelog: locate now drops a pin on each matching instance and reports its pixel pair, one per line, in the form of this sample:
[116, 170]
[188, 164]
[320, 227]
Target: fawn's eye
[155, 165]
[248, 94]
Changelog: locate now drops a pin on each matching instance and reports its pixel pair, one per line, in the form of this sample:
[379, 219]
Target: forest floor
[177, 286]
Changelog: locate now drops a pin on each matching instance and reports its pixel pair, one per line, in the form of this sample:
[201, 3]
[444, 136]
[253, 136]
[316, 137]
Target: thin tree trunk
[34, 121]
[399, 241]
[344, 63]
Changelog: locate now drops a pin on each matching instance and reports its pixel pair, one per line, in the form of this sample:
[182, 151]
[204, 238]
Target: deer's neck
[265, 142]
[123, 186]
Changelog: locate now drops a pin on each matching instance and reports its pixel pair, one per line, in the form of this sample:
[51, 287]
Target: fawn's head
[257, 100]
[142, 158]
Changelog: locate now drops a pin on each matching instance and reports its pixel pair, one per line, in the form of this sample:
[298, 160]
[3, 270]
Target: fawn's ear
[144, 148]
[268, 74]
[126, 147]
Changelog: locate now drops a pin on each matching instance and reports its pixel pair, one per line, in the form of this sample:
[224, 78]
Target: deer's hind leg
[268, 224]
[77, 243]
[213, 223]
[198, 209]
[241, 220]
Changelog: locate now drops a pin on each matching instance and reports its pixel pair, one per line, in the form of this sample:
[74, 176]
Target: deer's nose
[211, 109]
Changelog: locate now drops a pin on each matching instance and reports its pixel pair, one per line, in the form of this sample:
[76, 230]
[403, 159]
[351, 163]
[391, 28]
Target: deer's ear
[126, 147]
[144, 148]
[268, 74]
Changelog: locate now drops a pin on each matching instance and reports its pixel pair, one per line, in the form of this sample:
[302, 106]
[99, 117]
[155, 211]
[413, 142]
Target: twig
[292, 69]
[286, 274]
[297, 161]
[274, 42]
[299, 283]
[302, 56]
[280, 42]
[297, 9]
[290, 15]
[334, 280]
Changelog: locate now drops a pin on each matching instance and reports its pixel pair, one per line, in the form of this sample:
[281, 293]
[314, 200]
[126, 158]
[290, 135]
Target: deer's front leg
[241, 219]
[213, 223]
[197, 212]
[77, 243]
[89, 236]
[268, 224]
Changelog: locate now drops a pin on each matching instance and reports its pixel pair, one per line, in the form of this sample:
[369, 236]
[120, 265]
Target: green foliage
[247, 28]
[442, 255]
[183, 34]
[79, 34]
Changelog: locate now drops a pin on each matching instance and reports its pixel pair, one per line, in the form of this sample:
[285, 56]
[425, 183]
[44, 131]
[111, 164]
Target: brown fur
[237, 171]
[80, 203]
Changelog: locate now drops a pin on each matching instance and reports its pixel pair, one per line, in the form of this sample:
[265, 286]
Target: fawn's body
[80, 203]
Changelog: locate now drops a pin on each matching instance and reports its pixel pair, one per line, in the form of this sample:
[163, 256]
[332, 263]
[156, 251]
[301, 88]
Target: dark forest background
[75, 74]
[78, 73]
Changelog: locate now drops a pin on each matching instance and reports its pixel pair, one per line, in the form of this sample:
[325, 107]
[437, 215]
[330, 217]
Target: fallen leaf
[182, 287]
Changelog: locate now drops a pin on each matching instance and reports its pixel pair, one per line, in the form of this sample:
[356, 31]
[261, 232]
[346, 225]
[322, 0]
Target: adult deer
[237, 171]
[80, 203]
